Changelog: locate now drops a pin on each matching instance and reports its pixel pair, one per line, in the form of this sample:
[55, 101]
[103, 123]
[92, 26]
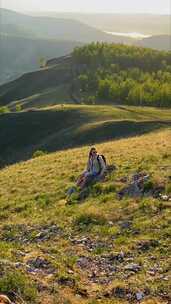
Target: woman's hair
[91, 150]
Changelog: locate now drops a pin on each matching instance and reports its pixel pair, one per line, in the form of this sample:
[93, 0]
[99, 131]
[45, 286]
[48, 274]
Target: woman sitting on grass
[95, 171]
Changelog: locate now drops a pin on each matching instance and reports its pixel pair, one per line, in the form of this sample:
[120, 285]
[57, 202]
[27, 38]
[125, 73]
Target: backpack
[104, 159]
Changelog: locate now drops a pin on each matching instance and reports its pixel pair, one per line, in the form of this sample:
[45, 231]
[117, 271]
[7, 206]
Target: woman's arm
[88, 166]
[103, 166]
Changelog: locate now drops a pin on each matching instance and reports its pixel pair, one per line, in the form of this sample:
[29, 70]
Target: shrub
[18, 108]
[87, 221]
[16, 284]
[4, 110]
[91, 99]
[97, 189]
[146, 206]
[39, 153]
[44, 200]
[148, 186]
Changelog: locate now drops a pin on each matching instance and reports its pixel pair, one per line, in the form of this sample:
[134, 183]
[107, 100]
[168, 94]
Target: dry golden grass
[39, 186]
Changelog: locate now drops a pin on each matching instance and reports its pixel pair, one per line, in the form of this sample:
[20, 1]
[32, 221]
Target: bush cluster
[124, 74]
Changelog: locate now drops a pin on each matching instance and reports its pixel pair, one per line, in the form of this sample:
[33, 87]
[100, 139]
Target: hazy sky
[123, 6]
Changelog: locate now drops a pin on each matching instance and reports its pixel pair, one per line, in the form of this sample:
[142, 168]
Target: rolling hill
[34, 85]
[25, 39]
[67, 126]
[147, 24]
[94, 247]
[58, 28]
[95, 73]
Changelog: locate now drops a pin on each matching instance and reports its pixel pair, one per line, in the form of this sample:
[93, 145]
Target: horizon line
[86, 12]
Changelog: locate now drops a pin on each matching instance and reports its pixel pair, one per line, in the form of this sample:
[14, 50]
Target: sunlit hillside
[98, 250]
[67, 126]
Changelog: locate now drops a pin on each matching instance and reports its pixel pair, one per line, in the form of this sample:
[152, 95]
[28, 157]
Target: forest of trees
[123, 74]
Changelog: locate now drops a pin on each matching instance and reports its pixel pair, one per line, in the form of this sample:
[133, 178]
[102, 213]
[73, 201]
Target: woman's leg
[81, 180]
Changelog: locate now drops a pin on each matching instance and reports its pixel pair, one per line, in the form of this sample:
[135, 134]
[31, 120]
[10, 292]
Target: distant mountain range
[147, 24]
[58, 28]
[24, 40]
[27, 40]
[19, 55]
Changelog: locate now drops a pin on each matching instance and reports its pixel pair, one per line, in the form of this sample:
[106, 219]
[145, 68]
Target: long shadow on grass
[24, 133]
[112, 130]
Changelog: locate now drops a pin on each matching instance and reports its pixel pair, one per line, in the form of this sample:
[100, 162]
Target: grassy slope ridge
[95, 73]
[30, 85]
[67, 126]
[32, 196]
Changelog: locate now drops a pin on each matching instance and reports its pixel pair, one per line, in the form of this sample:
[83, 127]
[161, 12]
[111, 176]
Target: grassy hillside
[52, 252]
[67, 126]
[29, 85]
[96, 73]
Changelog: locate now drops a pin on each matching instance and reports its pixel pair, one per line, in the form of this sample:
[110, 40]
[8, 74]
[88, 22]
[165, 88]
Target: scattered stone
[125, 225]
[153, 258]
[82, 292]
[158, 189]
[110, 223]
[42, 287]
[29, 234]
[130, 259]
[19, 265]
[101, 269]
[90, 244]
[119, 292]
[123, 179]
[147, 244]
[164, 278]
[137, 186]
[151, 273]
[39, 265]
[164, 198]
[131, 190]
[20, 253]
[133, 267]
[139, 295]
[66, 281]
[70, 271]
